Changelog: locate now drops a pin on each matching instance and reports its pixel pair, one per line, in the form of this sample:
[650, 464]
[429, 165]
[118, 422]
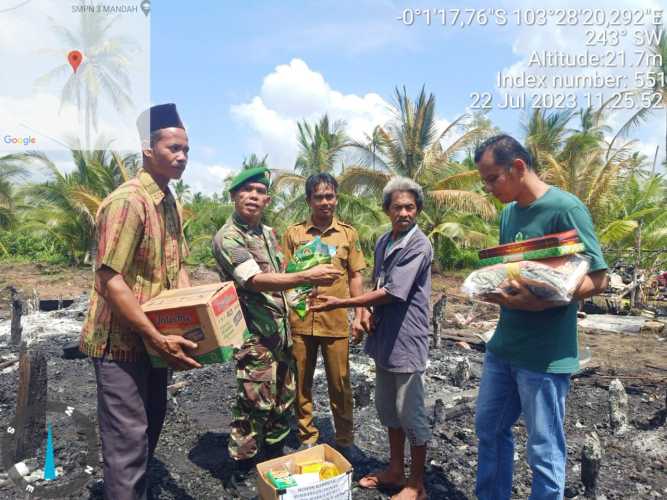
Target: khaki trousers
[335, 351]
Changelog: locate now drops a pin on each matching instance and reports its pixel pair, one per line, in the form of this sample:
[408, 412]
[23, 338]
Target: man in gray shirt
[399, 336]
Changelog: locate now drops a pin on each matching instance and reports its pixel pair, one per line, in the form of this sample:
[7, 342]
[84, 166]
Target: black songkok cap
[158, 117]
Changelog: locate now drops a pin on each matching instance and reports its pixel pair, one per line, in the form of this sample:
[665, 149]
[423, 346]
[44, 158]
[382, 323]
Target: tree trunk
[17, 311]
[30, 404]
[591, 459]
[438, 319]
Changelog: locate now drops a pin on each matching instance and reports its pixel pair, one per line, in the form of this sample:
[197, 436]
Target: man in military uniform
[330, 330]
[248, 253]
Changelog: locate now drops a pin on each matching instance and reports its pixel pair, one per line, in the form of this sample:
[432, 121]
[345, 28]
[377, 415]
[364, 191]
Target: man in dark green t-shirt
[534, 349]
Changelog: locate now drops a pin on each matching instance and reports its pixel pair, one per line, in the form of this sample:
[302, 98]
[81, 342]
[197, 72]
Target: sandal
[374, 481]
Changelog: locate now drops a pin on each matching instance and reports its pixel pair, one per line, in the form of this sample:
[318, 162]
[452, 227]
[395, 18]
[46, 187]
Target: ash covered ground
[192, 462]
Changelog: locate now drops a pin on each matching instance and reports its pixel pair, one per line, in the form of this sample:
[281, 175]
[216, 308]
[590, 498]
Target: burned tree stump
[591, 458]
[30, 404]
[618, 408]
[362, 395]
[17, 311]
[462, 372]
[438, 319]
[439, 413]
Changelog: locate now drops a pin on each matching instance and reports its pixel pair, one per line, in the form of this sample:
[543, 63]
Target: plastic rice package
[307, 256]
[554, 280]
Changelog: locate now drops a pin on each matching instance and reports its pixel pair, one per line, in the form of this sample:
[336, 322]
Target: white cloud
[571, 40]
[206, 178]
[294, 92]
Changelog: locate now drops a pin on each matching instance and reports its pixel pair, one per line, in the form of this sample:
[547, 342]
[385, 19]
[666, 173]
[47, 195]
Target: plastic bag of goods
[307, 256]
[554, 280]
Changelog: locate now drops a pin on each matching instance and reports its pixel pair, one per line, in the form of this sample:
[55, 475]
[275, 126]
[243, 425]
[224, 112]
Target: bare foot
[411, 492]
[382, 479]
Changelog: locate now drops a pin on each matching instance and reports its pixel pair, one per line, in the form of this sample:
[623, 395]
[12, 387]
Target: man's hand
[323, 303]
[366, 320]
[520, 298]
[357, 331]
[171, 349]
[324, 274]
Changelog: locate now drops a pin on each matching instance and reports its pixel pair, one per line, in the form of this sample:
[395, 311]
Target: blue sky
[358, 48]
[242, 73]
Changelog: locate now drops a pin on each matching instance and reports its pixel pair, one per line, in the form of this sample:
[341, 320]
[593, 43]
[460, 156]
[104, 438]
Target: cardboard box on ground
[209, 315]
[336, 488]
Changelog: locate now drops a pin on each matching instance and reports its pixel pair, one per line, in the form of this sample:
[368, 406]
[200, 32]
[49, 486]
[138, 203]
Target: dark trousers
[131, 405]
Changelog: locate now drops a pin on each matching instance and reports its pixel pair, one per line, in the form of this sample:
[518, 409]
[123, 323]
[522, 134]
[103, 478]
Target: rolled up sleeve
[235, 260]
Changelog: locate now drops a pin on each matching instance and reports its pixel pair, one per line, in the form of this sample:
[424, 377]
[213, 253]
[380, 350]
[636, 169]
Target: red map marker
[75, 57]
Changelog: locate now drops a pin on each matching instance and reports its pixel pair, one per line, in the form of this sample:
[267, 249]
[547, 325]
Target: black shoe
[241, 487]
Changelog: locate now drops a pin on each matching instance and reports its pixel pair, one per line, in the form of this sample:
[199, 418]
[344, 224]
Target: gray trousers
[131, 405]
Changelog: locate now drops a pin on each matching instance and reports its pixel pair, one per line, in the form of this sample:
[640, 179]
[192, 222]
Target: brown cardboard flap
[184, 297]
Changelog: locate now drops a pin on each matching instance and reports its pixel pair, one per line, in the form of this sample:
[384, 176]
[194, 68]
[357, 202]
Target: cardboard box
[209, 315]
[336, 488]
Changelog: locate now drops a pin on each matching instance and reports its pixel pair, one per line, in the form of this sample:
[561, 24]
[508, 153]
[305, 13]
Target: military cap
[257, 174]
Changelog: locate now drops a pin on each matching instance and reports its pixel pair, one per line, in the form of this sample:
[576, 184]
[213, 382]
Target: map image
[78, 74]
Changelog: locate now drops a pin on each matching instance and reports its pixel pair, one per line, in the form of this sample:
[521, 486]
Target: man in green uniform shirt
[534, 349]
[248, 253]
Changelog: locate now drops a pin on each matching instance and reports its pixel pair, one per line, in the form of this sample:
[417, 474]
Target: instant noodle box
[548, 241]
[209, 315]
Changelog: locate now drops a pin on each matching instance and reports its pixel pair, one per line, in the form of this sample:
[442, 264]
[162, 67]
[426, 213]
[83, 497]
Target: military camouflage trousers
[264, 399]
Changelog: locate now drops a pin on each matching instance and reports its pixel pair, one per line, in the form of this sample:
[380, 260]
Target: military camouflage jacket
[242, 252]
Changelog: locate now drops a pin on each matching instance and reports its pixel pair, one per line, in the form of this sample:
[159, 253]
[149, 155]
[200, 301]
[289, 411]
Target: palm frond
[464, 201]
[617, 231]
[354, 178]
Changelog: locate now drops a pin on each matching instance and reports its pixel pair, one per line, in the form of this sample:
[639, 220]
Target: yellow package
[328, 471]
[311, 466]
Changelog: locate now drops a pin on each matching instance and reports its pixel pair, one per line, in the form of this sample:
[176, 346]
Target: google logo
[26, 141]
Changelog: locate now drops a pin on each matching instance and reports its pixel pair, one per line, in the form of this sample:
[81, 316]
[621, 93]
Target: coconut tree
[11, 170]
[182, 191]
[65, 205]
[659, 71]
[321, 145]
[103, 72]
[415, 145]
[638, 222]
[412, 146]
[638, 209]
